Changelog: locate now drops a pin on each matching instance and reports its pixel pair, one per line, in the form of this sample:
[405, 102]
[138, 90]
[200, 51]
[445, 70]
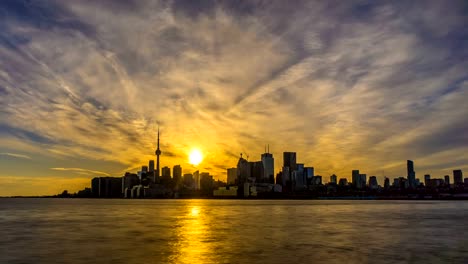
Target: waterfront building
[447, 180]
[343, 182]
[355, 179]
[457, 177]
[268, 166]
[151, 166]
[244, 170]
[196, 179]
[231, 176]
[333, 179]
[289, 160]
[362, 181]
[285, 176]
[386, 183]
[188, 180]
[411, 173]
[166, 173]
[373, 182]
[106, 187]
[177, 174]
[128, 181]
[309, 174]
[427, 179]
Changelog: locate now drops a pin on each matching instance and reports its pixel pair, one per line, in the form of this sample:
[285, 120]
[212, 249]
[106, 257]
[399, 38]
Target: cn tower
[158, 153]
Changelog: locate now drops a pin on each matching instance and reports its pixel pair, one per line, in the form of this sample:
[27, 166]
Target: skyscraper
[355, 178]
[362, 180]
[196, 179]
[411, 173]
[386, 183]
[373, 182]
[309, 174]
[231, 175]
[151, 166]
[333, 179]
[457, 177]
[158, 153]
[166, 173]
[447, 180]
[427, 180]
[177, 174]
[268, 165]
[289, 160]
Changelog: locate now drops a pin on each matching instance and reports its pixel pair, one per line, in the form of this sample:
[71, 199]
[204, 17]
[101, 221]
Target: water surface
[232, 231]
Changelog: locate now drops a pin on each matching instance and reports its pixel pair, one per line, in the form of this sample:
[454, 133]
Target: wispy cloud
[15, 155]
[82, 171]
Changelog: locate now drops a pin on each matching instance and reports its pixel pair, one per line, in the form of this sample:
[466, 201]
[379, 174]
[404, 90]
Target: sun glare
[195, 157]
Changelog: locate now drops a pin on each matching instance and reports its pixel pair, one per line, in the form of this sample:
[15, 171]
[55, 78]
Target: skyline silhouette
[84, 87]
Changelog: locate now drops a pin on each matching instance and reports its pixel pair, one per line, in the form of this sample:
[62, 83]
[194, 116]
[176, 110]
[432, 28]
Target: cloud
[82, 171]
[15, 155]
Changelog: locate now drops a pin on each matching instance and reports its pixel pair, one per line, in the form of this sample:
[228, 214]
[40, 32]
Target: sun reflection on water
[193, 232]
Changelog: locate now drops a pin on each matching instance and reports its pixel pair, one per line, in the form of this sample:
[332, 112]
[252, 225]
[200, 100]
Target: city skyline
[346, 86]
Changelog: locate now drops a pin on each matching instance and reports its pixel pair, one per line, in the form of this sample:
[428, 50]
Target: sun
[195, 157]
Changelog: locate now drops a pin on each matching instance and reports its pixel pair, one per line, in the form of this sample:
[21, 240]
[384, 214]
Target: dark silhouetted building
[355, 179]
[268, 166]
[386, 183]
[333, 179]
[244, 171]
[289, 160]
[188, 180]
[177, 174]
[106, 187]
[257, 171]
[447, 180]
[343, 182]
[411, 173]
[309, 174]
[373, 182]
[427, 179]
[151, 166]
[231, 176]
[457, 177]
[362, 181]
[166, 172]
[128, 181]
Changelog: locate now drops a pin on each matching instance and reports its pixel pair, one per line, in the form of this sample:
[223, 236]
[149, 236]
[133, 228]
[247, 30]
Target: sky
[347, 85]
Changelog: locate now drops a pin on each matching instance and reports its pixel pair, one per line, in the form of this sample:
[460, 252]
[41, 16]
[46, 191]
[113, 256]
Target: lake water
[232, 231]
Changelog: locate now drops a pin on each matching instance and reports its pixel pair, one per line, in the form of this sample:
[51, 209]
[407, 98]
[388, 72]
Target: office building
[411, 173]
[355, 180]
[333, 179]
[177, 174]
[289, 160]
[231, 176]
[196, 179]
[151, 166]
[373, 183]
[343, 182]
[427, 179]
[447, 180]
[457, 177]
[268, 166]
